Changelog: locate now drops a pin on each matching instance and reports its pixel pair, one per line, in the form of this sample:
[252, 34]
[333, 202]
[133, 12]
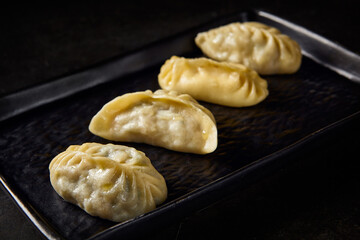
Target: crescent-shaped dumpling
[113, 182]
[163, 118]
[256, 45]
[223, 83]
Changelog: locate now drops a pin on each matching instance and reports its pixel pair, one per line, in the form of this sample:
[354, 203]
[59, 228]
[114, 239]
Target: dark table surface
[315, 197]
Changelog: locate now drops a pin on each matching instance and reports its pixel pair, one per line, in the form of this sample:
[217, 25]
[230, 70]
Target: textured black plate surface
[50, 117]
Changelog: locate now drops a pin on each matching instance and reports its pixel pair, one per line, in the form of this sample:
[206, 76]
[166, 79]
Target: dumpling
[163, 118]
[253, 44]
[113, 182]
[223, 83]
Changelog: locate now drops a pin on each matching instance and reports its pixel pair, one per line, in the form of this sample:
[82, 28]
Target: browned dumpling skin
[255, 45]
[162, 118]
[224, 83]
[110, 181]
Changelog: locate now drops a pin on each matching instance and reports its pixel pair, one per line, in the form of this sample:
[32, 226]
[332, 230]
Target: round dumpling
[113, 182]
[223, 83]
[256, 45]
[163, 118]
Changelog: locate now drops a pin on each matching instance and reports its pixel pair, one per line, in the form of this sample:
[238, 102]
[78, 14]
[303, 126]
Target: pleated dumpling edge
[256, 45]
[110, 181]
[223, 83]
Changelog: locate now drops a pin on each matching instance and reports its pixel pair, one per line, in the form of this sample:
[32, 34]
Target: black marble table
[316, 197]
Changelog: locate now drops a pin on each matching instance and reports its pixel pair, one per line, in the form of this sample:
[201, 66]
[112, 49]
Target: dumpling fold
[258, 46]
[113, 182]
[223, 83]
[163, 118]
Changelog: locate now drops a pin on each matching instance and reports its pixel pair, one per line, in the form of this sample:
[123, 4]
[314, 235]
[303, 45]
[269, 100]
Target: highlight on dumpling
[223, 83]
[163, 118]
[258, 46]
[113, 182]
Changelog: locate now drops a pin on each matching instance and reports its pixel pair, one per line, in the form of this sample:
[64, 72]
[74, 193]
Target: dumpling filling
[159, 123]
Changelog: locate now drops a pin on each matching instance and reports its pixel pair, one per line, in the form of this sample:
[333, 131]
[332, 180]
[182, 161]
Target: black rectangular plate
[38, 123]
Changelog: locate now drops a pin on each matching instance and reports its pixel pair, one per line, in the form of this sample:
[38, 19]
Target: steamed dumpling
[166, 119]
[253, 44]
[113, 182]
[224, 83]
